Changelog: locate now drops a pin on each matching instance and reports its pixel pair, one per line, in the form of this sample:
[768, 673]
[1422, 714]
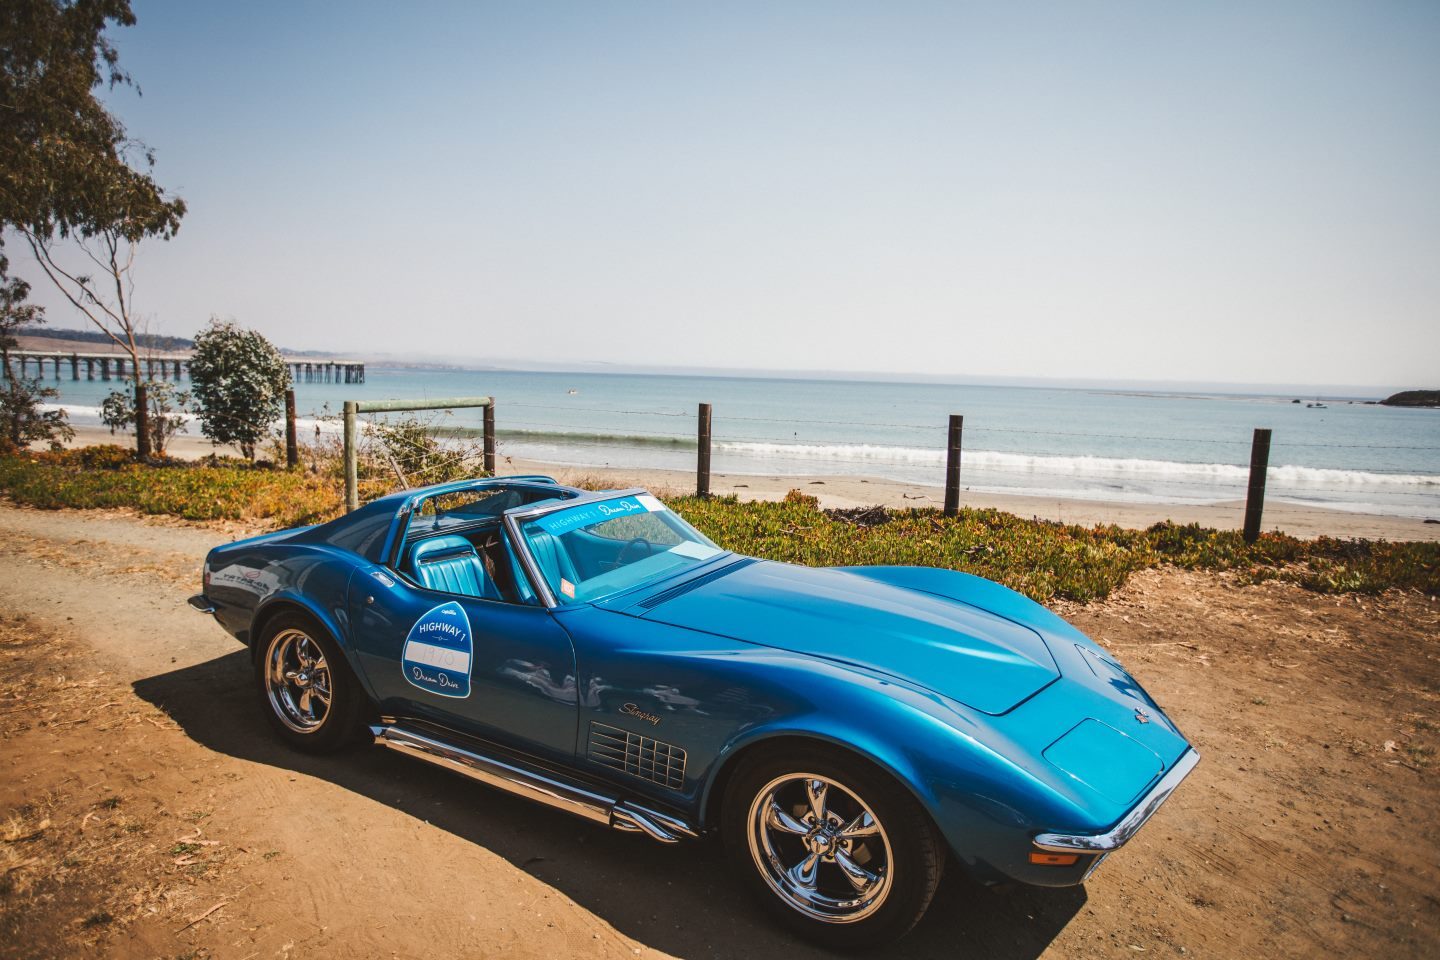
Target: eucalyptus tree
[72, 177]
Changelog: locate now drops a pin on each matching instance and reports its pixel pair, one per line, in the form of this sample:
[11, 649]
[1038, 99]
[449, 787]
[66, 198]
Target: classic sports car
[841, 729]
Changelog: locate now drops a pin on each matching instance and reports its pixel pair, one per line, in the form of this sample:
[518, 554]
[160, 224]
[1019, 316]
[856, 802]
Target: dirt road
[145, 809]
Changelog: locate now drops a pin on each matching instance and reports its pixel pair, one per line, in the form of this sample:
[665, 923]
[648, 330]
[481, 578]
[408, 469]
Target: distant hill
[1413, 398]
[147, 341]
[150, 341]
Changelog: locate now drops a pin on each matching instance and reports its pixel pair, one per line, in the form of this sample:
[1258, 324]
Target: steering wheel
[623, 557]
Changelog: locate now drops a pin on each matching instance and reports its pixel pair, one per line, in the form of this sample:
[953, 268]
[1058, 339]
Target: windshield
[596, 549]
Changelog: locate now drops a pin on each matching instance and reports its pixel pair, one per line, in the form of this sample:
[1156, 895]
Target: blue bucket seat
[452, 565]
[553, 558]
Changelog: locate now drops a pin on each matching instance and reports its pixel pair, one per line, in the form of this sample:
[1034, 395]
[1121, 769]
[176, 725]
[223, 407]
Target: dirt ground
[145, 810]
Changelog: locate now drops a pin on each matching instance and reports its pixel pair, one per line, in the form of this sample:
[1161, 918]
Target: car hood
[957, 650]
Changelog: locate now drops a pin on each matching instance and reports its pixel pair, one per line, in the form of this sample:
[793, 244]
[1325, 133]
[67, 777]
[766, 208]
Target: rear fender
[336, 621]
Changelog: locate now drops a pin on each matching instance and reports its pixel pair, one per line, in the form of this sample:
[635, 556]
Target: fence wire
[431, 452]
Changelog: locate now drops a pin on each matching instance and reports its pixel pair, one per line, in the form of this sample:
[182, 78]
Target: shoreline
[853, 490]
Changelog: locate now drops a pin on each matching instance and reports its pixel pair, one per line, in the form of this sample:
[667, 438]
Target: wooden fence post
[142, 418]
[1255, 497]
[352, 467]
[490, 438]
[702, 460]
[952, 466]
[292, 449]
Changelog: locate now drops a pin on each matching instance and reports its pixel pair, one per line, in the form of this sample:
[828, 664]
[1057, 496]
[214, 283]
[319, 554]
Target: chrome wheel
[820, 848]
[297, 680]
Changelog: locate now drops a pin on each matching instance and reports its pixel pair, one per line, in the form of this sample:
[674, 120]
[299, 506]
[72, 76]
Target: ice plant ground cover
[1045, 560]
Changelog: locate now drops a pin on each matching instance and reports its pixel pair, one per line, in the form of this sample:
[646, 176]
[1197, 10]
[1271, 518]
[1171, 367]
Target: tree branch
[55, 272]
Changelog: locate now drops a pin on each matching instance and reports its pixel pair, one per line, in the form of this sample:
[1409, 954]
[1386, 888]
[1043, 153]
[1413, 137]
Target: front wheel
[310, 697]
[832, 846]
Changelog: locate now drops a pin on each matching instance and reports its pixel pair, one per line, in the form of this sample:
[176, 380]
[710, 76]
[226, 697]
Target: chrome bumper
[1116, 836]
[200, 603]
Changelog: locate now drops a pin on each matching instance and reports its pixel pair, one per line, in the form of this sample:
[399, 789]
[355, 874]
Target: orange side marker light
[1044, 859]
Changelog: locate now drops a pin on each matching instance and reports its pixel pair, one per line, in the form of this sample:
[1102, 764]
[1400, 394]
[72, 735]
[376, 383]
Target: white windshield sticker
[650, 503]
[696, 550]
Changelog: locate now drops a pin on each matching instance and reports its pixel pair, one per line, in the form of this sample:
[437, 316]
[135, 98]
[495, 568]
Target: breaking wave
[1079, 467]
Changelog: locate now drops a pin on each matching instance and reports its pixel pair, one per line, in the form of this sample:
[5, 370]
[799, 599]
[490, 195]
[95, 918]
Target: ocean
[1097, 444]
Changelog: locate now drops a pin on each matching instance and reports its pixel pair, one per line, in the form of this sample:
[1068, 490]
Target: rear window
[444, 511]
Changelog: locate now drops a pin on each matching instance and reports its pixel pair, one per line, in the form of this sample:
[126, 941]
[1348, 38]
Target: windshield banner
[563, 521]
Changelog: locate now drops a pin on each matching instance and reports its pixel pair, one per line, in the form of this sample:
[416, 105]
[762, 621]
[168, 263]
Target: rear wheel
[832, 846]
[311, 698]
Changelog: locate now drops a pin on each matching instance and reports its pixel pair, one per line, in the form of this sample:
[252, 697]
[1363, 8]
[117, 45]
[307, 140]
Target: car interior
[455, 543]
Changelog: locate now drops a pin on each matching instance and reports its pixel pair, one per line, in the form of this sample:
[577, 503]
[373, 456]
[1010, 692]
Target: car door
[498, 670]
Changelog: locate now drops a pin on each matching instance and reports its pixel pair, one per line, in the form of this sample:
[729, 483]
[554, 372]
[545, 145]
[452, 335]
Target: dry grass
[82, 860]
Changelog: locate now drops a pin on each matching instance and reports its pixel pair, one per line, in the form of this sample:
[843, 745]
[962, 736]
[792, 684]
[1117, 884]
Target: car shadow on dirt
[680, 899]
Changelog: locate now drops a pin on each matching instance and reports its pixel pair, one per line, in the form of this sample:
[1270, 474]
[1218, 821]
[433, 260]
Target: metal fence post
[490, 439]
[702, 460]
[952, 466]
[292, 448]
[352, 468]
[1255, 497]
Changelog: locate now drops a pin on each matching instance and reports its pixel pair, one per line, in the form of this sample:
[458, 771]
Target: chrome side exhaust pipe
[532, 785]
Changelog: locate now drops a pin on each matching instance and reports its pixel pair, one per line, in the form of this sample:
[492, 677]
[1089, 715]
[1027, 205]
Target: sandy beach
[860, 491]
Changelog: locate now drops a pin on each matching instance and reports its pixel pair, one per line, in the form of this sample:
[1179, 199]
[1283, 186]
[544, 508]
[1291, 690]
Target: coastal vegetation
[238, 380]
[24, 418]
[165, 407]
[1413, 398]
[1045, 560]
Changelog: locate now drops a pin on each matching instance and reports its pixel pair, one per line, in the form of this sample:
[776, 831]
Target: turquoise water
[1086, 443]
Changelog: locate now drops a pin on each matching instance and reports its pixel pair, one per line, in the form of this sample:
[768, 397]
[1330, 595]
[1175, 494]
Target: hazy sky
[1241, 191]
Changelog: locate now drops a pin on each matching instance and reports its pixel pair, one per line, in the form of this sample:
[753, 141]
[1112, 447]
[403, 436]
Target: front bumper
[1116, 837]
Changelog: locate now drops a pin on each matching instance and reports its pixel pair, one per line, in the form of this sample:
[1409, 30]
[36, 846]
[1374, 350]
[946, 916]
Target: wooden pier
[171, 366]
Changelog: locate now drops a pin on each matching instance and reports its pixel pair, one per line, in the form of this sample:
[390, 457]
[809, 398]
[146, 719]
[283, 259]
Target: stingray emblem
[1141, 716]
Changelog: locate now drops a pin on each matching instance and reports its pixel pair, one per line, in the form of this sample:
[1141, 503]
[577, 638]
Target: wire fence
[1153, 466]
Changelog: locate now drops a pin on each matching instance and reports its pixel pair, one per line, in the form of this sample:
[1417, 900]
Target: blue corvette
[843, 730]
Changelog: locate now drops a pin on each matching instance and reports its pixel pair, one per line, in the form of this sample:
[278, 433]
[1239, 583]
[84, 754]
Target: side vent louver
[638, 756]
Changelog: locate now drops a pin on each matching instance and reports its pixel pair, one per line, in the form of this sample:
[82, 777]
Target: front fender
[984, 803]
[983, 791]
[977, 592]
[849, 737]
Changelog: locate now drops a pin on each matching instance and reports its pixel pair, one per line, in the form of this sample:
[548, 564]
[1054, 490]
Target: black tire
[304, 722]
[906, 853]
